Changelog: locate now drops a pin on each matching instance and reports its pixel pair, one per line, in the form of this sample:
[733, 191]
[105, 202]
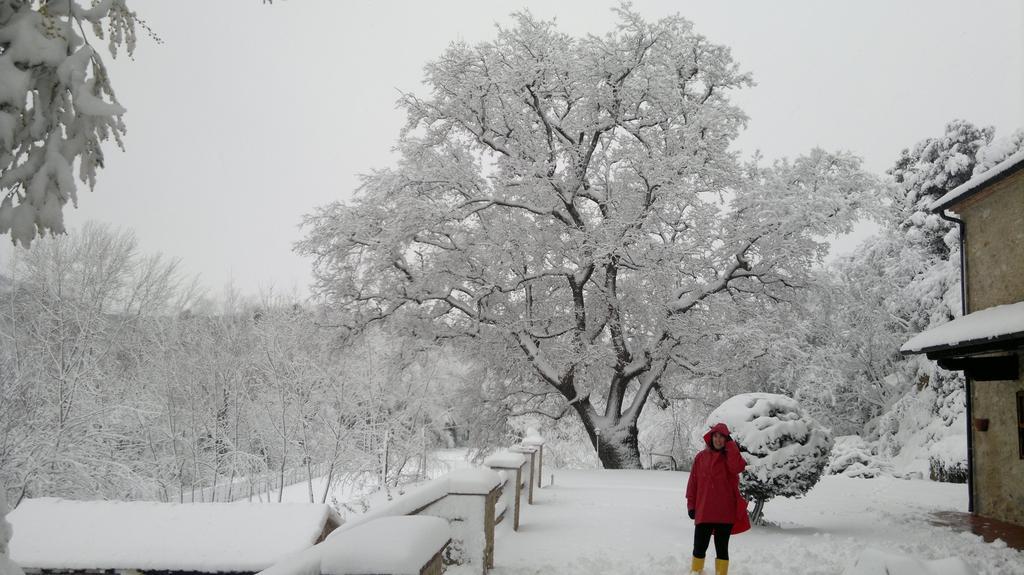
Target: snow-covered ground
[634, 522]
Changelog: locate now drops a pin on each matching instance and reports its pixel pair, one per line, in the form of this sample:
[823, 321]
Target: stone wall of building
[994, 248]
[995, 244]
[998, 468]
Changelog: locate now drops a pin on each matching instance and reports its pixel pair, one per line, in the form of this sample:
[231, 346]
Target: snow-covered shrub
[853, 457]
[942, 469]
[7, 567]
[925, 432]
[785, 449]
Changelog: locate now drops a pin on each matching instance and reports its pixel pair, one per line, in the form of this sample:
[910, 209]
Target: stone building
[987, 343]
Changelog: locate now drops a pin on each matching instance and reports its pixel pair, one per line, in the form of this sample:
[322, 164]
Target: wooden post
[492, 498]
[519, 481]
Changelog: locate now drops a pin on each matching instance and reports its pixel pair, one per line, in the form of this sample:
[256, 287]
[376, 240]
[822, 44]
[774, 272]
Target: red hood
[720, 428]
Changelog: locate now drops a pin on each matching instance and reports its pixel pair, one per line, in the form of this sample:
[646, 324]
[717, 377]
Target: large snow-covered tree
[570, 208]
[57, 106]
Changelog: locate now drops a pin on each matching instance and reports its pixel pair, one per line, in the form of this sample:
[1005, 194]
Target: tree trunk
[756, 514]
[616, 443]
[619, 448]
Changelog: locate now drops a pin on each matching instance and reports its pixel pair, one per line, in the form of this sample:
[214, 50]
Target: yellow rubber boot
[721, 567]
[698, 565]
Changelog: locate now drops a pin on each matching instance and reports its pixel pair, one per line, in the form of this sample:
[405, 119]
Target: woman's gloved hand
[692, 513]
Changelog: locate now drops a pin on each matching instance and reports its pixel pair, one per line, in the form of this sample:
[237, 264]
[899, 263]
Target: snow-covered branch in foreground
[57, 107]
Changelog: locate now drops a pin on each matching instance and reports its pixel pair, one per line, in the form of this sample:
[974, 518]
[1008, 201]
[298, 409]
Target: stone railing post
[512, 464]
[469, 509]
[534, 439]
[530, 452]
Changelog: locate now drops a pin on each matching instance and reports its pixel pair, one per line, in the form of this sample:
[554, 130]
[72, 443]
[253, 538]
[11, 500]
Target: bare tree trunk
[756, 514]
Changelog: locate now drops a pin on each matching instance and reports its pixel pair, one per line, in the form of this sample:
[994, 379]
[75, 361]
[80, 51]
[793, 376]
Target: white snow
[974, 327]
[600, 522]
[506, 459]
[405, 503]
[979, 180]
[533, 437]
[875, 562]
[394, 545]
[470, 481]
[479, 481]
[60, 534]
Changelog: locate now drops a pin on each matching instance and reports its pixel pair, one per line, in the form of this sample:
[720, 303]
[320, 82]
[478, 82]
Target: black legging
[702, 536]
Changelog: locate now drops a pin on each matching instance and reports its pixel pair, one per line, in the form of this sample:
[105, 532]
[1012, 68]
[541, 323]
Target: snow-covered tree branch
[57, 106]
[573, 204]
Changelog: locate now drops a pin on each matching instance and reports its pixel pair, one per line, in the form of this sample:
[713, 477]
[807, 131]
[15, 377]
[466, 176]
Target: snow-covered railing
[464, 506]
[402, 545]
[510, 466]
[464, 498]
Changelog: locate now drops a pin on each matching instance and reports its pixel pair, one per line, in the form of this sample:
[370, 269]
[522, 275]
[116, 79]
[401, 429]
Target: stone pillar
[534, 439]
[512, 464]
[531, 461]
[469, 509]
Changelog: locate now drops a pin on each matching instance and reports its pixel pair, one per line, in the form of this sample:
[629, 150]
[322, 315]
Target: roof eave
[1007, 342]
[977, 188]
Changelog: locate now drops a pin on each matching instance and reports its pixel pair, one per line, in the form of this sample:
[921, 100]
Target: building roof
[988, 326]
[1011, 165]
[54, 533]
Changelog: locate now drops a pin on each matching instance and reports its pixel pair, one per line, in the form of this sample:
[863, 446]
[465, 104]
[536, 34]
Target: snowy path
[634, 522]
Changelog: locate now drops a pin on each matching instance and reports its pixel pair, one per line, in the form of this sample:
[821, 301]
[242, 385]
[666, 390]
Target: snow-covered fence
[511, 465]
[464, 498]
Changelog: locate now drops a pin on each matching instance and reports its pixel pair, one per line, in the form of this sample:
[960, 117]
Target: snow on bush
[925, 432]
[853, 457]
[7, 567]
[785, 449]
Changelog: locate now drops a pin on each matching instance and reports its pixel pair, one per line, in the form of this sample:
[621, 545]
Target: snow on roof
[54, 533]
[396, 545]
[1011, 162]
[976, 327]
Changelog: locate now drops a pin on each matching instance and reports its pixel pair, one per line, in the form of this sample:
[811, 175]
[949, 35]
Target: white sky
[250, 115]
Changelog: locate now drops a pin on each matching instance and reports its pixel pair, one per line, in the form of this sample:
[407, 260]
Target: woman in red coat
[713, 498]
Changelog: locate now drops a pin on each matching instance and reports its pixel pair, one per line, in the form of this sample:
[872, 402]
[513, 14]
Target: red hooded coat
[713, 490]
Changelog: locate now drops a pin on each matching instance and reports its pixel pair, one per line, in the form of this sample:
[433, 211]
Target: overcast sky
[250, 115]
